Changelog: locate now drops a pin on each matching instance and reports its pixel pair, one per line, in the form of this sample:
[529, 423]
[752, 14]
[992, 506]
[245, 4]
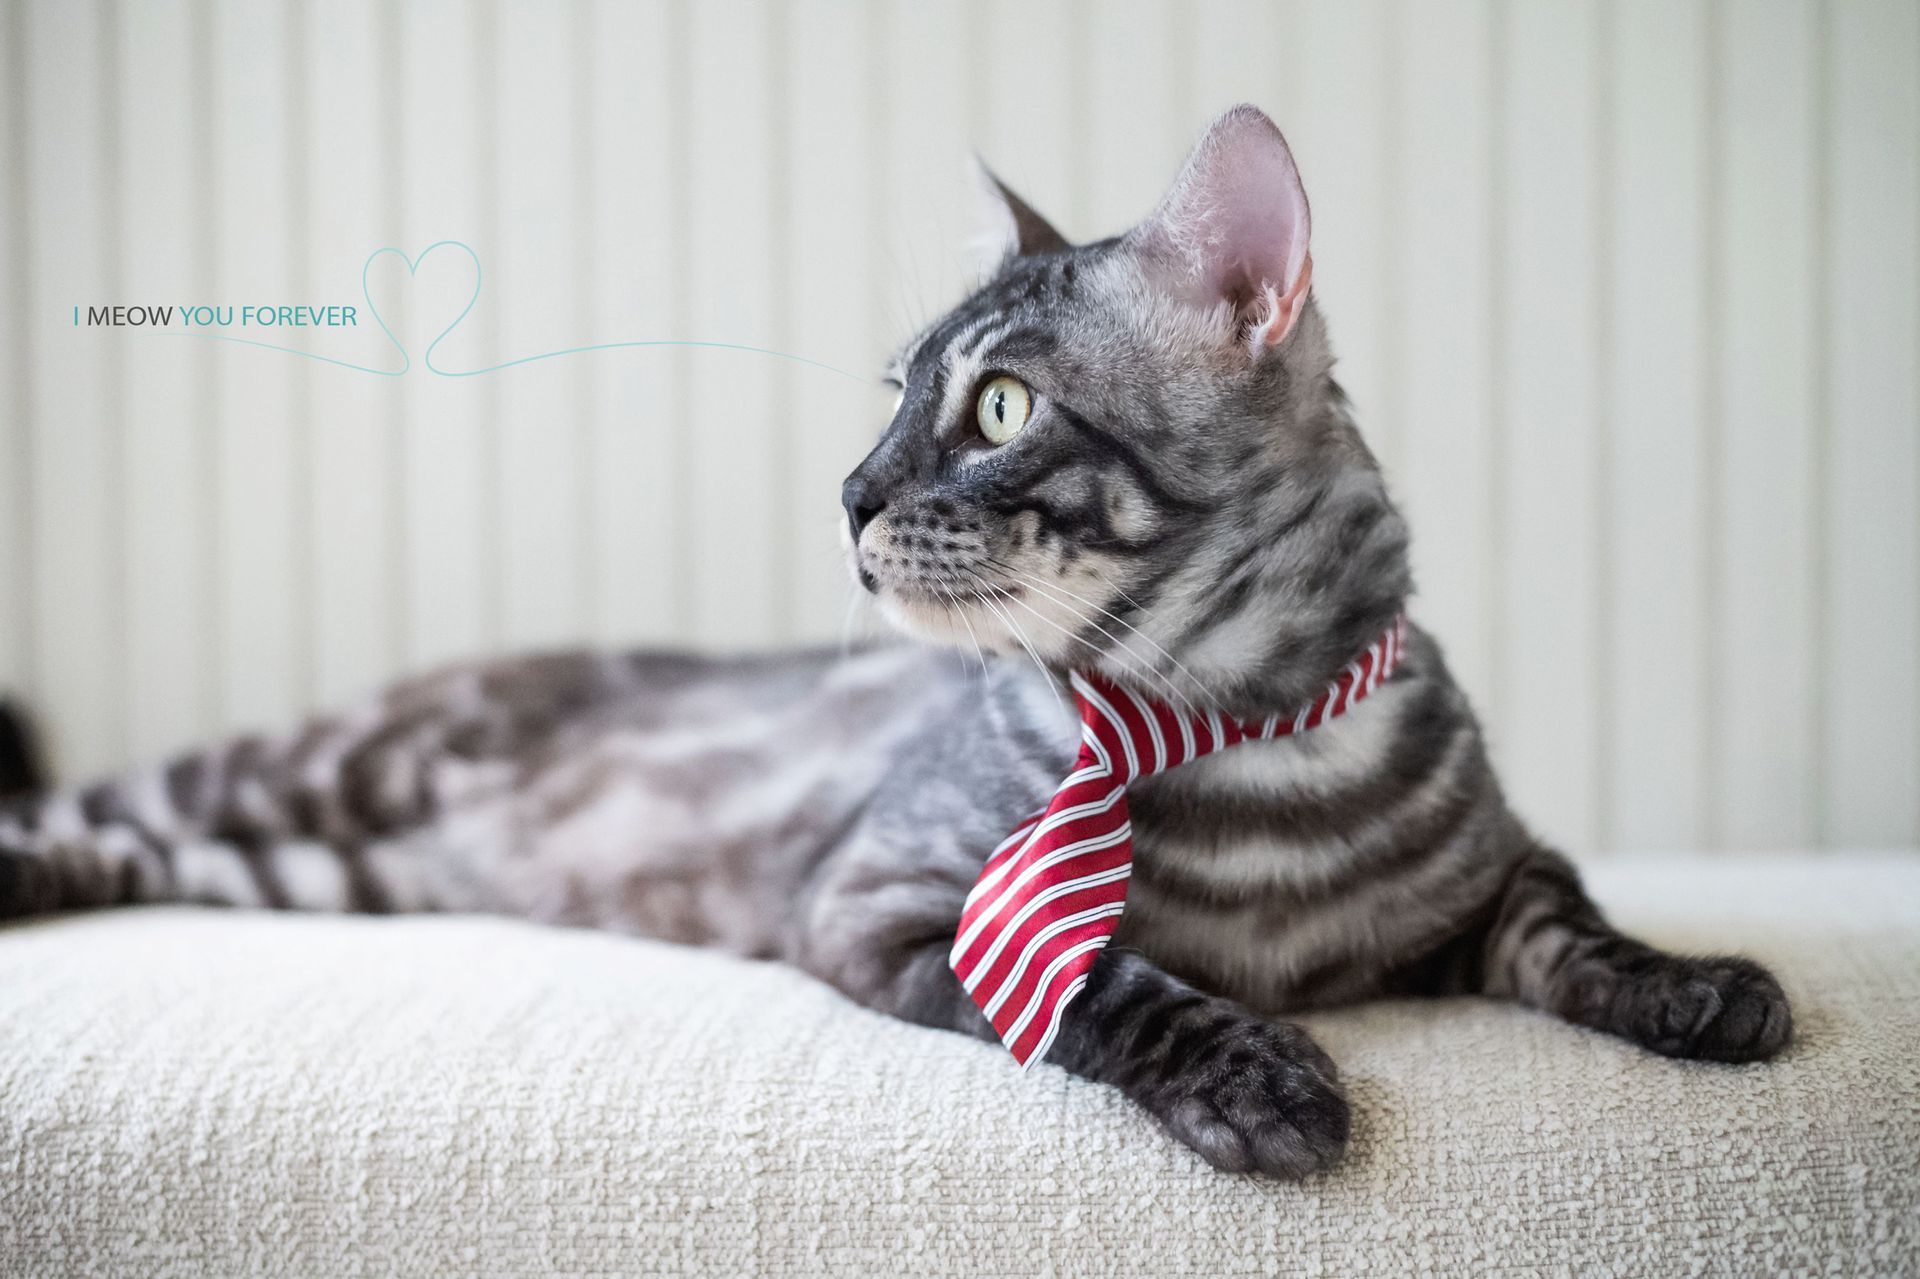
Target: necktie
[1050, 896]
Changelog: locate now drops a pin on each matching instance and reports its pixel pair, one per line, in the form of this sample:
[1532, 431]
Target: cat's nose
[861, 503]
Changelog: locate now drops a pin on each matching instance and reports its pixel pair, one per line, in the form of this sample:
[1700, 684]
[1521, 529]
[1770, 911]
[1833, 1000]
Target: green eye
[1005, 405]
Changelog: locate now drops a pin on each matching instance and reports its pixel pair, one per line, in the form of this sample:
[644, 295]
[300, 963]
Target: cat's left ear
[1012, 228]
[1234, 229]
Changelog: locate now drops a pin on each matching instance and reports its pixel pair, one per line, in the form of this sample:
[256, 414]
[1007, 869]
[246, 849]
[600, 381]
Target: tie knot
[1132, 736]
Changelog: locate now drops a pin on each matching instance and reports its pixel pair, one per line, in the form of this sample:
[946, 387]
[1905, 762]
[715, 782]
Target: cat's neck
[1263, 683]
[1281, 590]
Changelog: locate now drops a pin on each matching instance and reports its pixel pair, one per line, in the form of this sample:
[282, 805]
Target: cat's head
[1130, 455]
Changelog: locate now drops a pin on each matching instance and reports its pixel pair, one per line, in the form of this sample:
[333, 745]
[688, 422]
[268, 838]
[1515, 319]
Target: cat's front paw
[1258, 1097]
[1724, 1009]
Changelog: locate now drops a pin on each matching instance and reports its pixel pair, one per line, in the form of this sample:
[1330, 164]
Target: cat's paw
[1723, 1009]
[1259, 1098]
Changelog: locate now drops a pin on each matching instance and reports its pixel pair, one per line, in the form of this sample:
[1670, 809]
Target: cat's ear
[1012, 229]
[1234, 229]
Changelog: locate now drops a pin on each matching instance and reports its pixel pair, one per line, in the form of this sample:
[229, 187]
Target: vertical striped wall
[1627, 292]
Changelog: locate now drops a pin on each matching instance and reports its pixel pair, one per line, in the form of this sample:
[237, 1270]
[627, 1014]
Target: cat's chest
[1257, 867]
[1232, 832]
[1266, 812]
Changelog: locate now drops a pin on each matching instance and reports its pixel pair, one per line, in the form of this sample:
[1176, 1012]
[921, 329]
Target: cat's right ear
[1011, 228]
[1233, 231]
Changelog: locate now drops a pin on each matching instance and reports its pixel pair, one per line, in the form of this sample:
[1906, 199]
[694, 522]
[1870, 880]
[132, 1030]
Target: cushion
[188, 1092]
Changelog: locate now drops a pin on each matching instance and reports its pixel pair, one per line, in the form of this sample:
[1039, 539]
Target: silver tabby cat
[1128, 455]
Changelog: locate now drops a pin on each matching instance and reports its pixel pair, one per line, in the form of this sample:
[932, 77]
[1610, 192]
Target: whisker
[1138, 607]
[1013, 627]
[960, 611]
[1145, 666]
[1126, 667]
[1116, 588]
[1144, 611]
[846, 626]
[1136, 668]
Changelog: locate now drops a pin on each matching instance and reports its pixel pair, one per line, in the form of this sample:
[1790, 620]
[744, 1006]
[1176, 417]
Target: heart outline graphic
[413, 270]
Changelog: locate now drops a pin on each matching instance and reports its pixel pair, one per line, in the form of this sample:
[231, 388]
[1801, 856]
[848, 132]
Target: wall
[1628, 295]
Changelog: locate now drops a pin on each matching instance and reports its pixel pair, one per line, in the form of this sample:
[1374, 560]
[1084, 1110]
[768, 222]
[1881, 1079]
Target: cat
[1128, 457]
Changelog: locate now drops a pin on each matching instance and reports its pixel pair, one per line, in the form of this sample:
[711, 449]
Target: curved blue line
[613, 346]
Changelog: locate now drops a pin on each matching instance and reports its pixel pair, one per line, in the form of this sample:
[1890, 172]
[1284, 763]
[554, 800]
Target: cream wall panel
[539, 261]
[76, 405]
[1331, 65]
[1871, 601]
[1547, 322]
[164, 255]
[1025, 75]
[831, 176]
[637, 165]
[354, 451]
[262, 648]
[1135, 112]
[924, 203]
[447, 549]
[739, 444]
[1440, 405]
[1765, 296]
[1655, 588]
[16, 512]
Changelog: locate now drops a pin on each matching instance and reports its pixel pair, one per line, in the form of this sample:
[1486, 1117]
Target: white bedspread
[202, 1093]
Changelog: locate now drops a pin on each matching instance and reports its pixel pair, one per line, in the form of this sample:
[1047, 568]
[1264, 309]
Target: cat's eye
[1005, 405]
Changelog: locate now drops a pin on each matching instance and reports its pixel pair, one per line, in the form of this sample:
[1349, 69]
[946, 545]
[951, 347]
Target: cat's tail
[337, 816]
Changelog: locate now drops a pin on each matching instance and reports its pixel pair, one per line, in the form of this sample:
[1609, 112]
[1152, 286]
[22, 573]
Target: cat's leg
[1549, 947]
[1250, 1095]
[1245, 1093]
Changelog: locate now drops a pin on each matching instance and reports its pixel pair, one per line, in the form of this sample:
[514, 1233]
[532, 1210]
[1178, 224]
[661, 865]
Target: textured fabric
[203, 1093]
[1049, 897]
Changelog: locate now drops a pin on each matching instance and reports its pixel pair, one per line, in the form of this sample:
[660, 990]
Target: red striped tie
[1050, 896]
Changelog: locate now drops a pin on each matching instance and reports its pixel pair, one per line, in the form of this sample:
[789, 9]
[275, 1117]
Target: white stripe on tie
[1093, 844]
[985, 965]
[1073, 988]
[1065, 957]
[1039, 940]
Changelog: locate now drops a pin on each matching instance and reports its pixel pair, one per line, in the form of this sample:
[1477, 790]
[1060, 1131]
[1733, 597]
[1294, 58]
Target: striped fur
[1185, 514]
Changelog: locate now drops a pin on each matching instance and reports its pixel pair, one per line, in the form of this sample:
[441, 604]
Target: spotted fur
[1192, 511]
